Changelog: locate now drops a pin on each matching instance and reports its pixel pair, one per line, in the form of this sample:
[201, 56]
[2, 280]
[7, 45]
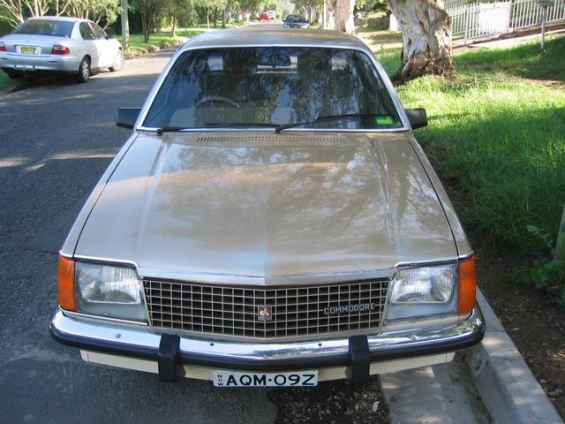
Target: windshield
[277, 86]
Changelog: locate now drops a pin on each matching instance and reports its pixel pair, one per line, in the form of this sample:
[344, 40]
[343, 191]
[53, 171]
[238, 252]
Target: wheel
[84, 70]
[215, 99]
[119, 62]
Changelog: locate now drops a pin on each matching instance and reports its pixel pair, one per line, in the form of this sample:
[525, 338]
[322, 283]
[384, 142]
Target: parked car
[59, 45]
[295, 21]
[264, 17]
[271, 14]
[271, 221]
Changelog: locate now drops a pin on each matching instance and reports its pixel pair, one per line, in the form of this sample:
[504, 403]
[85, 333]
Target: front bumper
[173, 355]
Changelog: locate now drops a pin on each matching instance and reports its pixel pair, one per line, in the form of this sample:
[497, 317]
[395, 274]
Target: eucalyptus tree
[18, 10]
[179, 13]
[426, 36]
[343, 16]
[308, 6]
[150, 12]
[212, 8]
[426, 39]
[96, 10]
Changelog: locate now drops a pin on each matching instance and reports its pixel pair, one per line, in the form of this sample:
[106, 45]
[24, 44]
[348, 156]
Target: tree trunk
[559, 253]
[426, 39]
[343, 15]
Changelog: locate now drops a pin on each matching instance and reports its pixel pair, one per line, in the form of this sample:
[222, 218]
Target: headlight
[423, 291]
[109, 291]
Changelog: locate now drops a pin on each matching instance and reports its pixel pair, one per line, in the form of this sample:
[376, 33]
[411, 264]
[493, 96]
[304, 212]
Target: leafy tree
[212, 8]
[426, 38]
[150, 12]
[308, 6]
[16, 11]
[19, 10]
[179, 13]
[96, 10]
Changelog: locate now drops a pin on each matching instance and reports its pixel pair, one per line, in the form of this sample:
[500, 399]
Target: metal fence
[473, 20]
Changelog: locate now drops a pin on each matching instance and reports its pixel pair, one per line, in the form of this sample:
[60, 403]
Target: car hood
[264, 209]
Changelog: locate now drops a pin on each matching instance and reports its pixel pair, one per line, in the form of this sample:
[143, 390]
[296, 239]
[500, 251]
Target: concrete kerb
[504, 382]
[155, 49]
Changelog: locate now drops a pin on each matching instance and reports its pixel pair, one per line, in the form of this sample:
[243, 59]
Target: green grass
[496, 134]
[138, 47]
[5, 81]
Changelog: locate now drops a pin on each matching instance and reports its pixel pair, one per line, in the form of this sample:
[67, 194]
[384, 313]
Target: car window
[86, 31]
[295, 18]
[278, 85]
[45, 27]
[97, 31]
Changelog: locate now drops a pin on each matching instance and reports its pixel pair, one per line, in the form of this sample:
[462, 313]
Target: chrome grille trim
[296, 311]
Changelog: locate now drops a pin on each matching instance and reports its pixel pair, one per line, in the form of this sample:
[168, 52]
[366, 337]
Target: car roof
[269, 36]
[57, 18]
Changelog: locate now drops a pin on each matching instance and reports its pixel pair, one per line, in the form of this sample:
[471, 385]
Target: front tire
[84, 70]
[118, 63]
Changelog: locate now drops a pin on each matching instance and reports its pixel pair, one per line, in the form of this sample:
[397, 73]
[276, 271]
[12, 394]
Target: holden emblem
[264, 313]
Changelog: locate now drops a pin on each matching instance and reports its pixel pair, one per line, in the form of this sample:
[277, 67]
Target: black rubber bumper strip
[167, 358]
[360, 358]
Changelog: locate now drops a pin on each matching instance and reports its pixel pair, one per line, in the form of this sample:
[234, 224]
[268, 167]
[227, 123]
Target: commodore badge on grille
[265, 313]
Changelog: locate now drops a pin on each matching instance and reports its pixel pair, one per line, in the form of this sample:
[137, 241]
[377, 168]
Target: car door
[88, 43]
[105, 50]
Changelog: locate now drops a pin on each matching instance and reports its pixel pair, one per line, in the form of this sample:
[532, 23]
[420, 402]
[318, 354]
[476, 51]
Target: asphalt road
[56, 138]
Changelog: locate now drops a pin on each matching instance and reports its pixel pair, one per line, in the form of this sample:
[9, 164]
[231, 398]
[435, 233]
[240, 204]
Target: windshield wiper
[218, 125]
[324, 118]
[278, 127]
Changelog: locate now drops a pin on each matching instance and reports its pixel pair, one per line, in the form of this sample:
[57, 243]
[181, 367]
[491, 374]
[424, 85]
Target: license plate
[28, 49]
[275, 379]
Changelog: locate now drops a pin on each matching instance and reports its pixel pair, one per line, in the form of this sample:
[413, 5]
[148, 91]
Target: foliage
[16, 11]
[151, 12]
[210, 10]
[546, 272]
[5, 26]
[95, 10]
[179, 13]
[502, 151]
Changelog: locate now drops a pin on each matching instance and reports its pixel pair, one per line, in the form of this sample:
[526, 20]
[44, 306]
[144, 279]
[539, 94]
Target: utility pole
[125, 24]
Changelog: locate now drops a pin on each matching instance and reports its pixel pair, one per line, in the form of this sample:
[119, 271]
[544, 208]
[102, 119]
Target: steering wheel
[215, 99]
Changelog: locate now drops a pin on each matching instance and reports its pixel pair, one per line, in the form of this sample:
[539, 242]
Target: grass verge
[497, 139]
[497, 135]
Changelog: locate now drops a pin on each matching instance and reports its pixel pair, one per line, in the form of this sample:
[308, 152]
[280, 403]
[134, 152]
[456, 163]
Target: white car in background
[59, 46]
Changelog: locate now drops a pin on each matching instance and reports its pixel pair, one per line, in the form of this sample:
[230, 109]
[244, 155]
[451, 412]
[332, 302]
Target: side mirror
[417, 117]
[127, 116]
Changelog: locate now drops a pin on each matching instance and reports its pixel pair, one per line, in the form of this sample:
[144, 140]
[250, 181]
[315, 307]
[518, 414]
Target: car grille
[266, 313]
